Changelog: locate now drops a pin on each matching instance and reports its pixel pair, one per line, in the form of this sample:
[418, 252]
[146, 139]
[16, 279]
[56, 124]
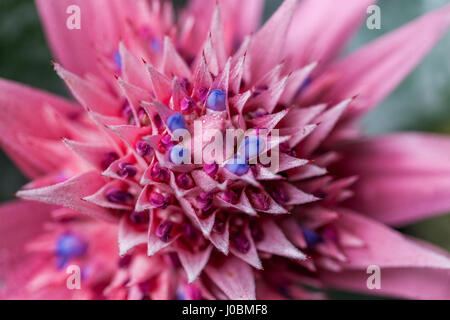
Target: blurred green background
[422, 102]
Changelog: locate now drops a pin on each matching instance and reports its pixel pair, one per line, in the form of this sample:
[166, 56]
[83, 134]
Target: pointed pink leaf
[70, 194]
[234, 277]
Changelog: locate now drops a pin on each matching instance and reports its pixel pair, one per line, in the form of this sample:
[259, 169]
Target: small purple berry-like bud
[204, 200]
[139, 217]
[220, 222]
[127, 170]
[166, 142]
[211, 169]
[190, 231]
[158, 200]
[143, 148]
[217, 100]
[280, 195]
[241, 242]
[230, 196]
[160, 174]
[118, 196]
[108, 159]
[184, 181]
[259, 201]
[256, 231]
[176, 122]
[163, 231]
[158, 122]
[187, 105]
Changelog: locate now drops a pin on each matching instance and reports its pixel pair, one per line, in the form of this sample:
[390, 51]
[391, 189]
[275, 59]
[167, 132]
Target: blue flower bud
[179, 155]
[217, 100]
[252, 146]
[238, 165]
[176, 121]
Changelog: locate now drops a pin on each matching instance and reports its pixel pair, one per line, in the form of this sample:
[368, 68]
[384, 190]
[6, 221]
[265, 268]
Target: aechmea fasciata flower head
[145, 221]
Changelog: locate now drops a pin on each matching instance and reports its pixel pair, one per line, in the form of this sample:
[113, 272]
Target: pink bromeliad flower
[114, 201]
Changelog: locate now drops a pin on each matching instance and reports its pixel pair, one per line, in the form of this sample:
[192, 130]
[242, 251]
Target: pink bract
[106, 197]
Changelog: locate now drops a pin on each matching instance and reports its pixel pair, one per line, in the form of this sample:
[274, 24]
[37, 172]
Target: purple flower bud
[187, 105]
[230, 196]
[160, 174]
[256, 231]
[190, 231]
[280, 195]
[108, 159]
[158, 200]
[163, 231]
[241, 242]
[139, 217]
[204, 200]
[143, 148]
[259, 200]
[118, 196]
[184, 181]
[220, 222]
[166, 142]
[127, 170]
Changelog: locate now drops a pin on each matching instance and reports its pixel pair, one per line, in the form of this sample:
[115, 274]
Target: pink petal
[160, 83]
[194, 262]
[173, 64]
[222, 240]
[408, 270]
[21, 222]
[402, 178]
[275, 241]
[70, 194]
[129, 237]
[320, 28]
[234, 277]
[93, 154]
[133, 69]
[251, 257]
[155, 244]
[267, 45]
[24, 113]
[88, 94]
[73, 48]
[375, 70]
[327, 122]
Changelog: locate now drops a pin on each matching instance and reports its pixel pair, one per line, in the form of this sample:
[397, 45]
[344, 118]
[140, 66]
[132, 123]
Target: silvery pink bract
[141, 227]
